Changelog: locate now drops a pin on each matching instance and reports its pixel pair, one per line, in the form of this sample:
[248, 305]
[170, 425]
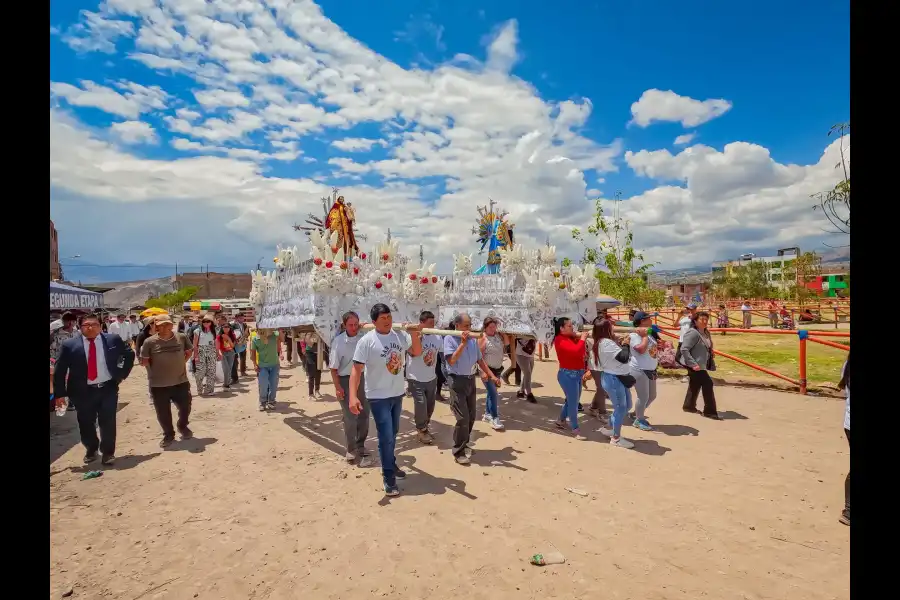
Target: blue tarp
[63, 297]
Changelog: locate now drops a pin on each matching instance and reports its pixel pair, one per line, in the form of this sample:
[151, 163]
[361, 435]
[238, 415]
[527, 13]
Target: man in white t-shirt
[340, 361]
[422, 377]
[379, 356]
[121, 328]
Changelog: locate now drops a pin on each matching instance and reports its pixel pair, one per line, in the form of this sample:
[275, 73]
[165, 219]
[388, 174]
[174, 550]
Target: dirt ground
[263, 506]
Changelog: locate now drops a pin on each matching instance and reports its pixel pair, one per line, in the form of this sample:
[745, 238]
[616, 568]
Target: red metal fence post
[802, 334]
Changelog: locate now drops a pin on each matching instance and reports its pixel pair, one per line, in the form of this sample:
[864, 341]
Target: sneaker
[350, 457]
[399, 473]
[579, 436]
[262, 408]
[166, 441]
[580, 407]
[713, 416]
[463, 460]
[270, 406]
[632, 416]
[425, 437]
[366, 461]
[319, 396]
[642, 424]
[496, 424]
[606, 431]
[845, 517]
[621, 443]
[486, 418]
[108, 459]
[520, 394]
[311, 398]
[186, 433]
[391, 490]
[531, 398]
[90, 457]
[468, 451]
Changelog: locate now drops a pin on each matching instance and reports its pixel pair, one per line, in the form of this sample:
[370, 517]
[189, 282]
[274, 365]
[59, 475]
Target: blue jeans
[386, 413]
[620, 396]
[268, 383]
[570, 382]
[491, 401]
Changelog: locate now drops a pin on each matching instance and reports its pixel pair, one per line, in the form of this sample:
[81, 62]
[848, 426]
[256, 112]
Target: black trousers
[163, 398]
[462, 403]
[313, 374]
[700, 381]
[441, 380]
[242, 356]
[847, 481]
[97, 408]
[290, 348]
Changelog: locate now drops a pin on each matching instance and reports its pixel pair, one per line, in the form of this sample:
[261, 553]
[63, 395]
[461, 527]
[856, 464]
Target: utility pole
[421, 255]
[389, 234]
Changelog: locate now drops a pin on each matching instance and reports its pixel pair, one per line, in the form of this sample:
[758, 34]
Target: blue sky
[196, 133]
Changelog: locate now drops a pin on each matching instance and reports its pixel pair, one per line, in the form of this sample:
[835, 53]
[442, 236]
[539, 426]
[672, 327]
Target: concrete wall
[216, 285]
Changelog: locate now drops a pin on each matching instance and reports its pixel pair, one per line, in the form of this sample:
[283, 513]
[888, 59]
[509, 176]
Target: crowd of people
[372, 372]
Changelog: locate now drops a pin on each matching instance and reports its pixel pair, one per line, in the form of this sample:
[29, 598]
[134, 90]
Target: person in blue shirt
[463, 356]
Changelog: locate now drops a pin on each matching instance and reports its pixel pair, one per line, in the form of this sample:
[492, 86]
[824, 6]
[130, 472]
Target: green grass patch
[779, 353]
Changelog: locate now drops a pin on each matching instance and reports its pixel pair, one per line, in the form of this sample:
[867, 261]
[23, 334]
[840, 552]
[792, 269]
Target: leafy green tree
[743, 281]
[173, 299]
[609, 243]
[804, 269]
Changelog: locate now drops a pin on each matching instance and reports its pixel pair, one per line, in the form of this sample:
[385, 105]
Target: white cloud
[355, 144]
[135, 100]
[501, 51]
[134, 132]
[96, 33]
[657, 105]
[216, 98]
[467, 123]
[685, 139]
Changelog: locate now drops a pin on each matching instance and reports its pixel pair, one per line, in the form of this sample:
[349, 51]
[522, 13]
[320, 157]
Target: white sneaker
[319, 396]
[621, 443]
[311, 398]
[496, 424]
[606, 431]
[486, 418]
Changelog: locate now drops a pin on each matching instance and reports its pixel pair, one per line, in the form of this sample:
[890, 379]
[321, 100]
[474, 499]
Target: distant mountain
[135, 293]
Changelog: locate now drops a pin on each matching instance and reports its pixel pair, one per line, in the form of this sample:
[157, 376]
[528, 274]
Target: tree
[626, 272]
[802, 270]
[835, 203]
[173, 299]
[743, 281]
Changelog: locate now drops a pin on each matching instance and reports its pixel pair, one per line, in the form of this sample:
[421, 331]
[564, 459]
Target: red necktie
[92, 359]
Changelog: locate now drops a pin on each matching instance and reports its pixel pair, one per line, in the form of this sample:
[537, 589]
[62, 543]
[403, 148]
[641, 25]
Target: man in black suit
[95, 364]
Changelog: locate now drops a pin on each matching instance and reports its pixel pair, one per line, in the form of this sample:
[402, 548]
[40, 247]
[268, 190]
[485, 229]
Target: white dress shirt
[103, 374]
[123, 330]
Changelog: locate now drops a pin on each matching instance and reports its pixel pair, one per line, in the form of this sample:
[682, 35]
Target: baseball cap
[641, 315]
[162, 319]
[692, 305]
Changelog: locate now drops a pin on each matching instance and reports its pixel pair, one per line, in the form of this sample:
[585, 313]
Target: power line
[181, 267]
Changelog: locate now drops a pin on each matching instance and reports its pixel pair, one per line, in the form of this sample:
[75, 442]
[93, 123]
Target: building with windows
[778, 271]
[833, 285]
[55, 268]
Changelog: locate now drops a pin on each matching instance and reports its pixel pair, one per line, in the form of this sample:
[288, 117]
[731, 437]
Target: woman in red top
[225, 345]
[570, 351]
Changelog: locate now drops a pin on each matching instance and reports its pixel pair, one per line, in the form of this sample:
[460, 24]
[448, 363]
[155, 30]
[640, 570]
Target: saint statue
[341, 218]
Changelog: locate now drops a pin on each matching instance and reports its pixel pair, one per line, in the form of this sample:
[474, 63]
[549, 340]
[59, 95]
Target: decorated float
[525, 290]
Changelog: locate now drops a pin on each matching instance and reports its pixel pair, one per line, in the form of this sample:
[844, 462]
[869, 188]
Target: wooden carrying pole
[429, 330]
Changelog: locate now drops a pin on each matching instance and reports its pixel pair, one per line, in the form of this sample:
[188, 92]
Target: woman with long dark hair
[616, 379]
[844, 384]
[598, 404]
[697, 355]
[205, 355]
[225, 343]
[570, 351]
